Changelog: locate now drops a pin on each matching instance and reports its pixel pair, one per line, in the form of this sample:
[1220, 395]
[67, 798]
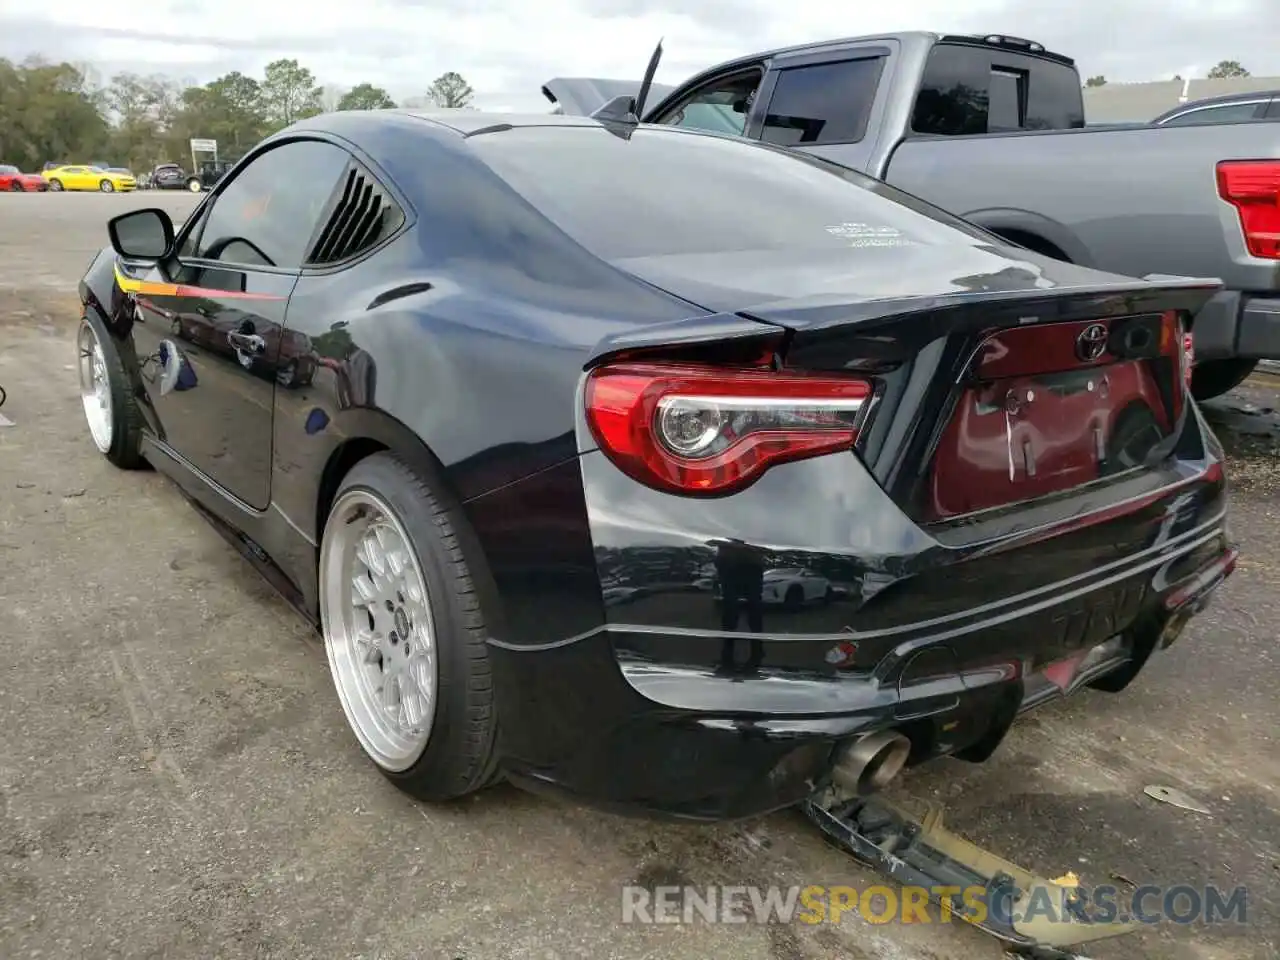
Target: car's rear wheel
[15, 187]
[106, 186]
[404, 632]
[193, 185]
[55, 184]
[110, 410]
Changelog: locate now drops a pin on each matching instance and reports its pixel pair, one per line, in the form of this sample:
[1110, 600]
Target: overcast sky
[508, 48]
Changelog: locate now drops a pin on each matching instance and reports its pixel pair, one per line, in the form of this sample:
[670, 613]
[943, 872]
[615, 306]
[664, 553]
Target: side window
[1273, 110]
[267, 214]
[1227, 113]
[823, 103]
[719, 107]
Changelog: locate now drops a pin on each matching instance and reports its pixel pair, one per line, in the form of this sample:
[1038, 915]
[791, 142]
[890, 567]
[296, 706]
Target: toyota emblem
[1092, 342]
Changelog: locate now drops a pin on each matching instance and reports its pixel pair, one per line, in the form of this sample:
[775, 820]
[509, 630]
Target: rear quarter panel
[1132, 201]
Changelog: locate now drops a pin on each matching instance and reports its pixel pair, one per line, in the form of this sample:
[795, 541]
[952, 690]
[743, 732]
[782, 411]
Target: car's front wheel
[193, 185]
[404, 632]
[106, 186]
[110, 409]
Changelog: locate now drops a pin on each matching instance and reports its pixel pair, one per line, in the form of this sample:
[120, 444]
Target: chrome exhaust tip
[871, 762]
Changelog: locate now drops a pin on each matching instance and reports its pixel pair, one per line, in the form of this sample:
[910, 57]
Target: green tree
[450, 90]
[49, 112]
[1098, 81]
[289, 93]
[228, 110]
[1228, 68]
[365, 96]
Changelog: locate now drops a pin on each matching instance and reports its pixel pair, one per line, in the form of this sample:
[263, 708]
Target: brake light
[706, 431]
[1253, 188]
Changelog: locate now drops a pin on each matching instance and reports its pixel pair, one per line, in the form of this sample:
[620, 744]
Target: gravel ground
[176, 779]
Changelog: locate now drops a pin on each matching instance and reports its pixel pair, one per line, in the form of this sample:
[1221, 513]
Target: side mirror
[142, 234]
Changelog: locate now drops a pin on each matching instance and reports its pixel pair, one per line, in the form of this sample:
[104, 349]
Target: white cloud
[507, 49]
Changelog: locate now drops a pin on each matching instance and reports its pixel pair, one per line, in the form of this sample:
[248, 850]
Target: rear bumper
[708, 744]
[1235, 324]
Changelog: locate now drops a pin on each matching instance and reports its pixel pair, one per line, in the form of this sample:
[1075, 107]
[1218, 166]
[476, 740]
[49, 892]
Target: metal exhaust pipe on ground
[869, 763]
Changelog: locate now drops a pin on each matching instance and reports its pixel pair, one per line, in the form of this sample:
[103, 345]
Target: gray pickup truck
[993, 129]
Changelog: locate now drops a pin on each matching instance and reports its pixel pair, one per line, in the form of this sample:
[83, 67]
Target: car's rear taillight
[1253, 188]
[705, 431]
[1188, 357]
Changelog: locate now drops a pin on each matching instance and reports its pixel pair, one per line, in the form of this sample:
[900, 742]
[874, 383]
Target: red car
[11, 178]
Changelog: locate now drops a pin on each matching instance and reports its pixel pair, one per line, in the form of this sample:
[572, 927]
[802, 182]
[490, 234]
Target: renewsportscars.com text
[814, 904]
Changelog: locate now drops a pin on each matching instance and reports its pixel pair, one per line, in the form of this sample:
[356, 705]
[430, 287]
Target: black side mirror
[142, 234]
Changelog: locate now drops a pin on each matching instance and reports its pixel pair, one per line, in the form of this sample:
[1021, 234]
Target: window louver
[357, 221]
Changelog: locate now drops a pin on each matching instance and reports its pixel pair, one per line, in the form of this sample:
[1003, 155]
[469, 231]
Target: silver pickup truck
[993, 129]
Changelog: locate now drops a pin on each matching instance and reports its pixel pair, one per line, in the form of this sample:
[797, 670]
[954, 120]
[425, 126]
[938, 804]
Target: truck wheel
[1215, 377]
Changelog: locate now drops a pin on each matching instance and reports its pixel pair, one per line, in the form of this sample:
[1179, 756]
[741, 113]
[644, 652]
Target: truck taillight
[1253, 188]
[709, 431]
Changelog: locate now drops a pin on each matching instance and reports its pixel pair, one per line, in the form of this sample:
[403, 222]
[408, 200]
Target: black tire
[125, 451]
[106, 186]
[461, 755]
[15, 187]
[55, 185]
[794, 598]
[1213, 378]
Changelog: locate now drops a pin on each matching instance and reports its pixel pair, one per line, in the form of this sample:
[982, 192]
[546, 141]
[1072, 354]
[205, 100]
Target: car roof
[460, 121]
[1221, 100]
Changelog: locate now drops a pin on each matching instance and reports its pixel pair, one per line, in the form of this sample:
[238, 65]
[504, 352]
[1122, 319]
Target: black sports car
[577, 386]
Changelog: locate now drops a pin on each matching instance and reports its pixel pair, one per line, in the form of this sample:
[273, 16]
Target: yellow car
[88, 178]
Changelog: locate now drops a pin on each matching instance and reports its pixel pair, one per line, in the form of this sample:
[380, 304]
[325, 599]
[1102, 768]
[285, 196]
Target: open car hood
[582, 96]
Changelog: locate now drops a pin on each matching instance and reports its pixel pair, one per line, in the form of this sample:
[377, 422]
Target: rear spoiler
[583, 96]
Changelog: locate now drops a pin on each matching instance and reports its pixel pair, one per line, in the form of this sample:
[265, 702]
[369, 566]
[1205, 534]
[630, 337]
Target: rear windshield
[665, 191]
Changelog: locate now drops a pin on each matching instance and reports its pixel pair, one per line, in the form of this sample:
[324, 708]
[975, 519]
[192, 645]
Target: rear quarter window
[667, 192]
[970, 90]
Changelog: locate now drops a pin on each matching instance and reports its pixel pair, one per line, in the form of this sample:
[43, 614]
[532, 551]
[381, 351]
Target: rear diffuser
[918, 851]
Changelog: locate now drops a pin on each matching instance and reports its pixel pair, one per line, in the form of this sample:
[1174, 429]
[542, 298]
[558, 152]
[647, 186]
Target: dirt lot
[176, 779]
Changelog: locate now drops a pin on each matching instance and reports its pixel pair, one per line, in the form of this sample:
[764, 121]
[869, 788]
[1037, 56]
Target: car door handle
[248, 342]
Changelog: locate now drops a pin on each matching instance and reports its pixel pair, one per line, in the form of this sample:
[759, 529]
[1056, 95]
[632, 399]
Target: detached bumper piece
[918, 851]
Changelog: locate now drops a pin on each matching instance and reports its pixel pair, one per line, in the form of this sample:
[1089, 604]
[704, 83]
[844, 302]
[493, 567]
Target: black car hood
[792, 287]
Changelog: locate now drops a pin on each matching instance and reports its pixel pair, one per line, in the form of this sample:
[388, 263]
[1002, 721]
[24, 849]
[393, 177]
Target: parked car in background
[14, 180]
[169, 176]
[1231, 108]
[992, 128]
[581, 356]
[88, 178]
[210, 172]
